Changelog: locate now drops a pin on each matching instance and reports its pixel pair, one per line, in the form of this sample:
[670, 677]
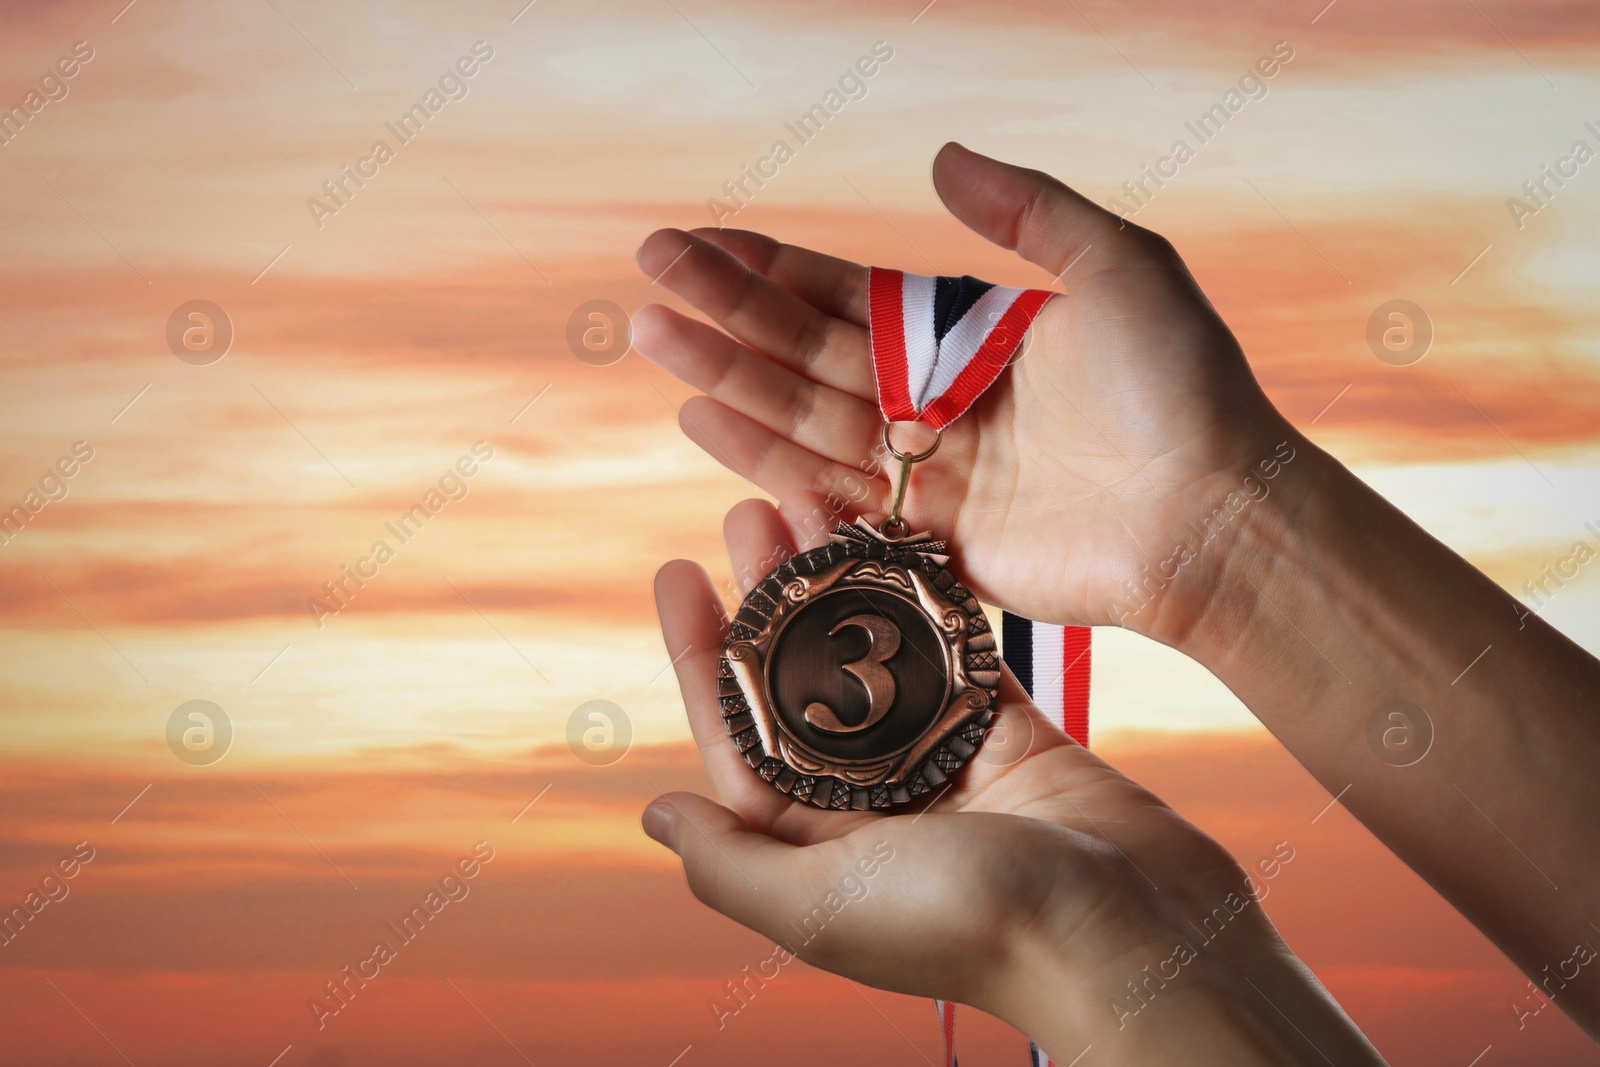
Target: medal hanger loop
[894, 526]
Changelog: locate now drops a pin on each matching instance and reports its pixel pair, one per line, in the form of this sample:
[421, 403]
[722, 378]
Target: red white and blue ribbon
[937, 344]
[1052, 663]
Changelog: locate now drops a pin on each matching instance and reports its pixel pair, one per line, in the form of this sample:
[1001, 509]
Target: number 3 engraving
[869, 670]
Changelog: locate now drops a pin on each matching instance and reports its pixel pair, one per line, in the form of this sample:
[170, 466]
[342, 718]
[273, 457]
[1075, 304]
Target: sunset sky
[374, 346]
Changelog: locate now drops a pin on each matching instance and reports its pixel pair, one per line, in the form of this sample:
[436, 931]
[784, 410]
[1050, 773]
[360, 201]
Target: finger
[833, 286]
[692, 625]
[757, 539]
[751, 878]
[1040, 218]
[811, 518]
[778, 466]
[759, 311]
[823, 419]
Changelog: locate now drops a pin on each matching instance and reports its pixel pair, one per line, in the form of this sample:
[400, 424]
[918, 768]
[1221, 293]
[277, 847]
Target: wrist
[1134, 981]
[1250, 508]
[1170, 1003]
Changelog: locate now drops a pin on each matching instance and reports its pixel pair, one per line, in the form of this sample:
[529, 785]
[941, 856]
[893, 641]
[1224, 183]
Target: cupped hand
[1082, 472]
[1038, 865]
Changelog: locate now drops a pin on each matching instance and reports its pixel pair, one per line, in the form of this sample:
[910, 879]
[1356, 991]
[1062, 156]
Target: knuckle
[699, 870]
[700, 884]
[847, 290]
[739, 287]
[763, 465]
[799, 407]
[1154, 244]
[723, 366]
[839, 481]
[811, 340]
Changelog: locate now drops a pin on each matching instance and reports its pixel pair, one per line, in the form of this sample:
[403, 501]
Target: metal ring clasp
[912, 457]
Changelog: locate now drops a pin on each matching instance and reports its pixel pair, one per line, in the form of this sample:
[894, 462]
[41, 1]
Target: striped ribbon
[938, 343]
[1052, 663]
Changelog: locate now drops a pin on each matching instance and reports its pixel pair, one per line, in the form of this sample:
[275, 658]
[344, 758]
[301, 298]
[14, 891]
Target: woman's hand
[1081, 472]
[1120, 472]
[1042, 886]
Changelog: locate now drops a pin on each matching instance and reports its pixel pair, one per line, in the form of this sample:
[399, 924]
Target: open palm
[1130, 415]
[1043, 844]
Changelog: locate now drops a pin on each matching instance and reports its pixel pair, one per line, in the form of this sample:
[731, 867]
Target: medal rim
[911, 771]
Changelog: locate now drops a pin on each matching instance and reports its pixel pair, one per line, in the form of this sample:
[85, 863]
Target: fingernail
[657, 823]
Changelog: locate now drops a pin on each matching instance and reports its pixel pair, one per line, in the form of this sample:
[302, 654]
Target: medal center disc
[858, 674]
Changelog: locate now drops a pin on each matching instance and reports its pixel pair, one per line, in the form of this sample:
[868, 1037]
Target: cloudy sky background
[372, 352]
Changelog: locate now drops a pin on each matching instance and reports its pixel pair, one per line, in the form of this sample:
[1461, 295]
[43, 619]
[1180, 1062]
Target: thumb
[1037, 216]
[746, 875]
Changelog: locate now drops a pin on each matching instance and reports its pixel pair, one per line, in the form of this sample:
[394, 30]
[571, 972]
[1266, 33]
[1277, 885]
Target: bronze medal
[860, 674]
[863, 674]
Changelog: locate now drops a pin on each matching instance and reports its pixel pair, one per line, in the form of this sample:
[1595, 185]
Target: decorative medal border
[912, 566]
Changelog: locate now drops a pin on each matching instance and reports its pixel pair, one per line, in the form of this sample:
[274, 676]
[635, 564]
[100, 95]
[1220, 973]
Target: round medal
[860, 674]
